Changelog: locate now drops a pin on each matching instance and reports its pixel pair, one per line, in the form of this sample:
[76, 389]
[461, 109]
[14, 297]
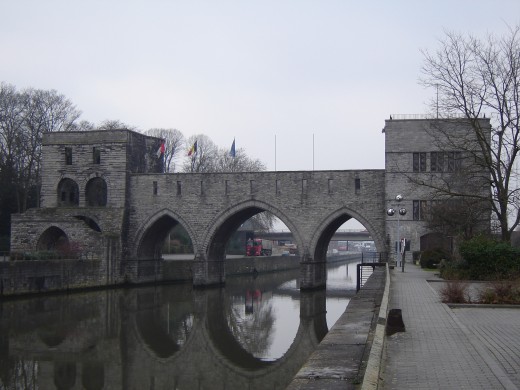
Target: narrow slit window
[96, 155]
[331, 182]
[278, 187]
[68, 156]
[179, 188]
[201, 187]
[304, 186]
[357, 184]
[252, 186]
[226, 187]
[155, 188]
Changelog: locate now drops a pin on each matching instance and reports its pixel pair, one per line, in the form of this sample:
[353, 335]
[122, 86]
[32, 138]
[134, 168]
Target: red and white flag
[160, 150]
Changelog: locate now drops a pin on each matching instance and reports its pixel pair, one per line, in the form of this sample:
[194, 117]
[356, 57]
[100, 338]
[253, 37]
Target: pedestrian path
[444, 348]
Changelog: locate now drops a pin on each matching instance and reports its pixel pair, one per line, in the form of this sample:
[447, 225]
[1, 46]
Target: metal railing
[369, 261]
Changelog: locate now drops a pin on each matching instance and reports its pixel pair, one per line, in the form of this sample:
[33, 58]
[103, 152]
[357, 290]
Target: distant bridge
[340, 235]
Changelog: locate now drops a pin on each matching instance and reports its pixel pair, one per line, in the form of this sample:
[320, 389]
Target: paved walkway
[445, 348]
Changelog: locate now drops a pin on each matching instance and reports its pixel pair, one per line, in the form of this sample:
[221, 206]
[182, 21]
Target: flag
[193, 149]
[232, 151]
[160, 150]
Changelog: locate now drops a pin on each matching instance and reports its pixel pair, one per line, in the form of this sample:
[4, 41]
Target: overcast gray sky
[250, 70]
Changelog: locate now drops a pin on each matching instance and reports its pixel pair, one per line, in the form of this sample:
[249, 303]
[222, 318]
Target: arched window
[68, 193]
[96, 192]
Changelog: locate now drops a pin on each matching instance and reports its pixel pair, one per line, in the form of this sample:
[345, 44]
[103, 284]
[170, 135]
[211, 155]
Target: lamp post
[401, 211]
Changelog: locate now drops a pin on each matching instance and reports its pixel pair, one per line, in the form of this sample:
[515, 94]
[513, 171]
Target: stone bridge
[211, 207]
[104, 197]
[104, 192]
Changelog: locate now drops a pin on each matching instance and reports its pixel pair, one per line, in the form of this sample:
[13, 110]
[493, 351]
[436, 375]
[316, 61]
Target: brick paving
[444, 348]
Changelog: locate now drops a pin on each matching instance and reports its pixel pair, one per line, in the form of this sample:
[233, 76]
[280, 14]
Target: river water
[255, 333]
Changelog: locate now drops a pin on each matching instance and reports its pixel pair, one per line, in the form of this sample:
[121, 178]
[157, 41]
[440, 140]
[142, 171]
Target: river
[255, 333]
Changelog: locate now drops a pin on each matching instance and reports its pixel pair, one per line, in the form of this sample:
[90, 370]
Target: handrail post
[358, 277]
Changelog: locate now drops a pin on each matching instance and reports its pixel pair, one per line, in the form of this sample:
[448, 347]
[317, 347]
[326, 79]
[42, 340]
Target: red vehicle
[259, 247]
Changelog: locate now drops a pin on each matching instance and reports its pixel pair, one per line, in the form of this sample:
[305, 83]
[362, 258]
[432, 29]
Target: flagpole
[313, 151]
[275, 152]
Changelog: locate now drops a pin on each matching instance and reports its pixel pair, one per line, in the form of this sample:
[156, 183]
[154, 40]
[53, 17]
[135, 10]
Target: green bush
[487, 259]
[453, 270]
[432, 258]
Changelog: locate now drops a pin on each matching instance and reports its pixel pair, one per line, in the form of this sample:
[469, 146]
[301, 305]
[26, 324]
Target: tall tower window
[96, 155]
[68, 155]
[419, 162]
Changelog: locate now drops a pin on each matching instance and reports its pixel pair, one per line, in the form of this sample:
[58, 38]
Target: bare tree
[203, 159]
[174, 145]
[457, 217]
[238, 163]
[84, 126]
[24, 117]
[475, 78]
[114, 124]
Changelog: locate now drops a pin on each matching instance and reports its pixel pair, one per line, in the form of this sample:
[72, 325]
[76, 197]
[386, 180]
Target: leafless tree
[203, 159]
[476, 78]
[24, 117]
[457, 217]
[84, 126]
[174, 146]
[239, 163]
[114, 124]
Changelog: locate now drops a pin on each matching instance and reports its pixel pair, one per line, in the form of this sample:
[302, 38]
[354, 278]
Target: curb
[371, 378]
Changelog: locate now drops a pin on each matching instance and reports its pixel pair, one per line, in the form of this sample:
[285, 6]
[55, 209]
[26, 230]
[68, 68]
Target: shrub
[489, 259]
[432, 258]
[453, 270]
[501, 293]
[455, 292]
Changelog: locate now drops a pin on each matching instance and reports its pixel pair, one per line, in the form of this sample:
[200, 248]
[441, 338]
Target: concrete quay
[340, 360]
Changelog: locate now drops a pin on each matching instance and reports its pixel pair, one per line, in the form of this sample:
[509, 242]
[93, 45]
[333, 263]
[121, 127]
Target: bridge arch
[227, 222]
[331, 223]
[153, 232]
[52, 238]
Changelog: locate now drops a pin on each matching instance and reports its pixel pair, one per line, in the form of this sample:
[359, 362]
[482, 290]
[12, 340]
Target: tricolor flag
[193, 149]
[160, 150]
[232, 151]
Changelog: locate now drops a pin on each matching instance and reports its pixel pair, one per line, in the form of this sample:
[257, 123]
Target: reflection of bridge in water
[153, 337]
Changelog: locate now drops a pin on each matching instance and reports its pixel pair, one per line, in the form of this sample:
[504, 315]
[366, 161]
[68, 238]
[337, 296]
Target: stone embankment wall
[37, 276]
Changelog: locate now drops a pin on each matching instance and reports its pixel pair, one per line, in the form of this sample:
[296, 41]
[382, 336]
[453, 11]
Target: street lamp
[401, 211]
